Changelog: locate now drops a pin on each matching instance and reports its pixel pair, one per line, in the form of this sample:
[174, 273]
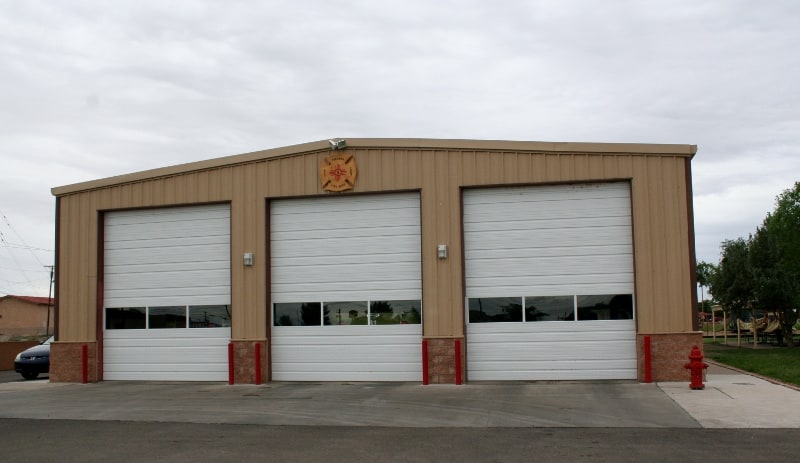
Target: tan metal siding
[659, 205]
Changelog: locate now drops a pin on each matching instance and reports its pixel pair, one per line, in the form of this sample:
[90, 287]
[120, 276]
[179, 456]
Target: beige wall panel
[398, 168]
[595, 165]
[662, 252]
[273, 180]
[446, 233]
[455, 264]
[77, 256]
[431, 315]
[468, 168]
[581, 166]
[247, 230]
[567, 164]
[510, 168]
[539, 168]
[552, 168]
[643, 255]
[678, 224]
[658, 200]
[524, 166]
[373, 172]
[483, 168]
[310, 177]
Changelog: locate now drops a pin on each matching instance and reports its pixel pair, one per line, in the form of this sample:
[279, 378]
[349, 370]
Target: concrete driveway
[731, 400]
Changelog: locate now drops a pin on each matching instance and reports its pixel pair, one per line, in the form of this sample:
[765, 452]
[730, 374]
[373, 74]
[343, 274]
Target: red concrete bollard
[696, 367]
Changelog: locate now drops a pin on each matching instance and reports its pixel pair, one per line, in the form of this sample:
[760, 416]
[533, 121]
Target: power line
[21, 239]
[6, 244]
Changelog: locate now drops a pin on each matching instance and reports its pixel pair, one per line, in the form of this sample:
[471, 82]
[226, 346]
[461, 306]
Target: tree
[773, 289]
[705, 271]
[763, 272]
[781, 245]
[732, 284]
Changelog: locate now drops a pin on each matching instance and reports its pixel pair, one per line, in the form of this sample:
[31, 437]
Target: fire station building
[433, 261]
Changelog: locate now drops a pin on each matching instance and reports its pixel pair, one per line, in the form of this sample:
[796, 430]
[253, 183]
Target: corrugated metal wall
[660, 222]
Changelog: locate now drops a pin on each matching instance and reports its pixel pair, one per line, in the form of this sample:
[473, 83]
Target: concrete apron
[730, 400]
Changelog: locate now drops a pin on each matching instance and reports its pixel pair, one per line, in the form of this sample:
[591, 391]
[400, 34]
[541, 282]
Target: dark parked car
[31, 362]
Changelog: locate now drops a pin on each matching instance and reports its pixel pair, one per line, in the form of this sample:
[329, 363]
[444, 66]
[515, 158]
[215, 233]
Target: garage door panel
[562, 365]
[346, 248]
[344, 295]
[554, 351]
[166, 233]
[408, 369]
[180, 354]
[554, 285]
[542, 266]
[328, 259]
[343, 376]
[378, 271]
[387, 223]
[207, 295]
[347, 353]
[199, 278]
[488, 239]
[541, 250]
[543, 374]
[560, 240]
[167, 257]
[502, 223]
[196, 254]
[603, 329]
[198, 376]
[352, 247]
[537, 340]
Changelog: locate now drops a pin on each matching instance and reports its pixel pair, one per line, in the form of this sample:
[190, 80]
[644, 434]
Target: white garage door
[167, 294]
[346, 288]
[549, 283]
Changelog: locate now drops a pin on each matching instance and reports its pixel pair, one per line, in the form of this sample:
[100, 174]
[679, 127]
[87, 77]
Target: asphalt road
[107, 441]
[11, 376]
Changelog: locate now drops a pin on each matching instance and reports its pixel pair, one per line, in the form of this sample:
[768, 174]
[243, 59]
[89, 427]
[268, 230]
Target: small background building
[382, 260]
[25, 317]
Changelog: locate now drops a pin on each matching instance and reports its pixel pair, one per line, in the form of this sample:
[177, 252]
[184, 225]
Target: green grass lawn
[780, 363]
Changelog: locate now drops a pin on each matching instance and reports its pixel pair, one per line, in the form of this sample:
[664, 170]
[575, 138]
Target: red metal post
[85, 363]
[425, 362]
[258, 363]
[458, 362]
[230, 363]
[648, 361]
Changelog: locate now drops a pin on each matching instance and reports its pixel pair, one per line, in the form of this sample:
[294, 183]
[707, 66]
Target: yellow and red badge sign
[337, 172]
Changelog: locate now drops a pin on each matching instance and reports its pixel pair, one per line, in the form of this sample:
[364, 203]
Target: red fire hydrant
[696, 367]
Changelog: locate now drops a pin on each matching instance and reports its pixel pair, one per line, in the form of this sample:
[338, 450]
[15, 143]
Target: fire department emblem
[337, 172]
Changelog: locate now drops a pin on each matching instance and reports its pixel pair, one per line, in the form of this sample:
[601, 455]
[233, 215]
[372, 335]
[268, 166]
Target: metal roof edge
[383, 143]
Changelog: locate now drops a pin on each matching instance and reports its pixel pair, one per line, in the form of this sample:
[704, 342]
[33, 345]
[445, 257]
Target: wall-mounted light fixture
[441, 251]
[248, 259]
[337, 143]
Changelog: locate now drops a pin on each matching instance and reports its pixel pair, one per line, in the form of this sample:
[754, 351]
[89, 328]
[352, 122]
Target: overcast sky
[92, 89]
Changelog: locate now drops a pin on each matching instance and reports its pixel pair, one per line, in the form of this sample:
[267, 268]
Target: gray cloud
[94, 90]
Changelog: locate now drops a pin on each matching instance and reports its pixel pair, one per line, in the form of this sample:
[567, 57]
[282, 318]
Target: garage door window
[495, 309]
[126, 318]
[209, 316]
[605, 307]
[168, 317]
[338, 313]
[550, 308]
